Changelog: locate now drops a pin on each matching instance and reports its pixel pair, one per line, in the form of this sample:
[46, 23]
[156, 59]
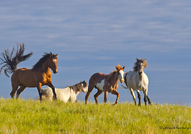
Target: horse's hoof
[54, 97]
[114, 104]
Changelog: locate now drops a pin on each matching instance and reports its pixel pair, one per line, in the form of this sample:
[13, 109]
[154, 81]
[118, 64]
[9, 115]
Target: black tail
[10, 61]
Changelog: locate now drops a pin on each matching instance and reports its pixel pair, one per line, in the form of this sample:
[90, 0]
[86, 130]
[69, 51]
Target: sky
[94, 36]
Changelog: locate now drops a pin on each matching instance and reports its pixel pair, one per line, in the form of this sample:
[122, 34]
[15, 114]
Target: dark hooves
[54, 98]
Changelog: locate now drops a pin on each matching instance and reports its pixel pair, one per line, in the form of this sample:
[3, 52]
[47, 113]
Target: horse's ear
[51, 54]
[123, 67]
[118, 67]
[56, 55]
[137, 59]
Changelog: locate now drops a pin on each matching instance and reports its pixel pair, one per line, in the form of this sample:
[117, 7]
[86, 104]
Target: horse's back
[24, 76]
[97, 78]
[62, 94]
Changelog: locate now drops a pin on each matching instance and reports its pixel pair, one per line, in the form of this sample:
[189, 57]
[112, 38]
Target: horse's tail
[124, 86]
[11, 61]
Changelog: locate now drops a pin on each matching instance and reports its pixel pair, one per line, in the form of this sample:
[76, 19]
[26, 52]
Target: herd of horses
[40, 74]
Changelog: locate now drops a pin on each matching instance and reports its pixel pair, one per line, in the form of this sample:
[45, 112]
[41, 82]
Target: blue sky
[95, 36]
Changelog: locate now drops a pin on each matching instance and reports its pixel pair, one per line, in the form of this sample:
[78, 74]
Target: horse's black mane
[78, 87]
[42, 60]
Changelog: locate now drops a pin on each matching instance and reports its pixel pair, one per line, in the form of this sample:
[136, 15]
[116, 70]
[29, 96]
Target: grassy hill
[32, 117]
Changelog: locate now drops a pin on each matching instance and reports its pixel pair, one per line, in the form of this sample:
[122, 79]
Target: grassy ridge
[28, 116]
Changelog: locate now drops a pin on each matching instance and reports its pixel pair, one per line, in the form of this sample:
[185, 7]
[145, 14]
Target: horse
[107, 83]
[137, 80]
[38, 76]
[66, 94]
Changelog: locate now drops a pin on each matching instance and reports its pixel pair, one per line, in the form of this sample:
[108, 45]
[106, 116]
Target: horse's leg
[90, 88]
[150, 103]
[96, 95]
[20, 90]
[105, 96]
[145, 96]
[116, 93]
[132, 93]
[139, 96]
[53, 90]
[39, 90]
[14, 89]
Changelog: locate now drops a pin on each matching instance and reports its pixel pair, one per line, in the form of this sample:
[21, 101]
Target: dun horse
[38, 76]
[137, 80]
[107, 83]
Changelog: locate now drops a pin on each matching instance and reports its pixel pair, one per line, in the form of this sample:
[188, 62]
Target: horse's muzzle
[122, 80]
[55, 71]
[140, 73]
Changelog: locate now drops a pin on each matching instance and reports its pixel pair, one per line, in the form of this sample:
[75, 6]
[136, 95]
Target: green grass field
[32, 117]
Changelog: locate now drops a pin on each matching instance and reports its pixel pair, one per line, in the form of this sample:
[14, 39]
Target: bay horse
[107, 83]
[137, 80]
[38, 76]
[67, 94]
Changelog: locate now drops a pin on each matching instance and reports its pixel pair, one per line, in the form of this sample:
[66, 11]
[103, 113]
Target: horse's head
[85, 86]
[53, 63]
[141, 63]
[120, 71]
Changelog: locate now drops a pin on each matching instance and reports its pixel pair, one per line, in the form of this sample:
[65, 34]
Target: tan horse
[38, 76]
[107, 83]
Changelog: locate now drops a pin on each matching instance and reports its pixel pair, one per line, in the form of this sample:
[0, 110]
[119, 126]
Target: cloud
[104, 24]
[100, 34]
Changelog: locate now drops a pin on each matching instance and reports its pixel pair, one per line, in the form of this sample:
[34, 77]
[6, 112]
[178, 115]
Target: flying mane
[140, 60]
[42, 60]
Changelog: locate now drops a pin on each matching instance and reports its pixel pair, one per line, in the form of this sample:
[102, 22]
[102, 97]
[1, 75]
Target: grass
[32, 117]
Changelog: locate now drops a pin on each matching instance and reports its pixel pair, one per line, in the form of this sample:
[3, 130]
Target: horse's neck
[140, 77]
[114, 81]
[73, 94]
[76, 88]
[45, 68]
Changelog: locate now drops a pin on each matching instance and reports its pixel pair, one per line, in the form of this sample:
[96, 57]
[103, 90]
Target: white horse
[66, 94]
[137, 80]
